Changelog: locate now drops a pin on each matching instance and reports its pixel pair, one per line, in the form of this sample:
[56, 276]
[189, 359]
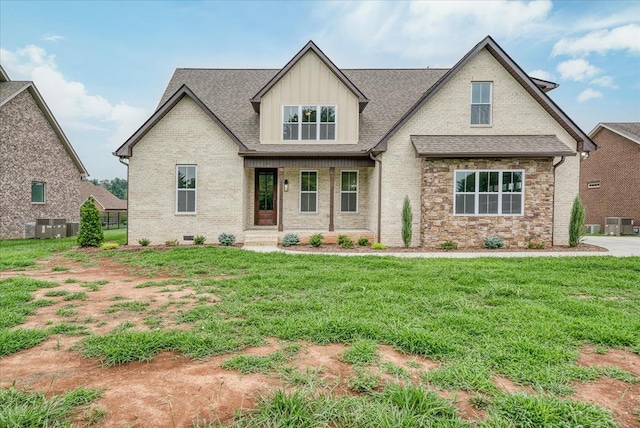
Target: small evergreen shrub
[407, 222]
[536, 245]
[316, 240]
[109, 245]
[171, 243]
[90, 233]
[576, 222]
[345, 242]
[493, 243]
[199, 239]
[144, 242]
[227, 239]
[449, 245]
[363, 242]
[290, 239]
[378, 246]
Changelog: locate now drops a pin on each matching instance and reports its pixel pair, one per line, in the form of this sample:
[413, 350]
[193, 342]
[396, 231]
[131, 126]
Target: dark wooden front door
[265, 201]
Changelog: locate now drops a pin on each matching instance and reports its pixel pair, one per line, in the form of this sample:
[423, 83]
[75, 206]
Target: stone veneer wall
[30, 150]
[439, 224]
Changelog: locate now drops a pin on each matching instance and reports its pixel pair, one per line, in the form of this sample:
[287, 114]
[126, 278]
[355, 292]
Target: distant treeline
[117, 186]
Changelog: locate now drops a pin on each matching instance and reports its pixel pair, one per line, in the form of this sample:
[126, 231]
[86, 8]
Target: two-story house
[479, 149]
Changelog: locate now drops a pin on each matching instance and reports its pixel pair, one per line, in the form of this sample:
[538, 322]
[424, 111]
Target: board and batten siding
[309, 82]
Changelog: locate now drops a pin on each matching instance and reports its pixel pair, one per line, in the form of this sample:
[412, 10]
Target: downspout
[121, 160]
[553, 199]
[379, 162]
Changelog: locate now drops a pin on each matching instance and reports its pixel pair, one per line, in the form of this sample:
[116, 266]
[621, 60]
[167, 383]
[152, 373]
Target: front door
[265, 202]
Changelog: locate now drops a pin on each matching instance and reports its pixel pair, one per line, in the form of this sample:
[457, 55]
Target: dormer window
[304, 123]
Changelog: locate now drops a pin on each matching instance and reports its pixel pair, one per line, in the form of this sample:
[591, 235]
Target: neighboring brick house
[479, 149]
[40, 172]
[113, 210]
[610, 177]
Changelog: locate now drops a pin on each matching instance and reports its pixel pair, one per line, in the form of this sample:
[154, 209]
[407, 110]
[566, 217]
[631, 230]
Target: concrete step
[260, 240]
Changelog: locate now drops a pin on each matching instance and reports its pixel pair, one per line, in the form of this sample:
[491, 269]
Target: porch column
[332, 182]
[280, 197]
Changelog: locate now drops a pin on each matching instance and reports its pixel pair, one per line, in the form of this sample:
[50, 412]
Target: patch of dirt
[334, 248]
[507, 385]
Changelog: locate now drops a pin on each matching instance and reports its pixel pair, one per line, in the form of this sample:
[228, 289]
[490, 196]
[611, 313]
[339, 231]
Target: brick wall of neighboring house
[439, 224]
[615, 165]
[30, 150]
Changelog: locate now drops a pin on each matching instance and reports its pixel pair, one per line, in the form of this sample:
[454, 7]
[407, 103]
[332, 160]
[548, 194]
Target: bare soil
[172, 390]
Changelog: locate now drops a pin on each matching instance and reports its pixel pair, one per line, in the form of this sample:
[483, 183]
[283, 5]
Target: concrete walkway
[618, 246]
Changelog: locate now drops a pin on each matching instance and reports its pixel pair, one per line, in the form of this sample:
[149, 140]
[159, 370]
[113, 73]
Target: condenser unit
[618, 226]
[592, 228]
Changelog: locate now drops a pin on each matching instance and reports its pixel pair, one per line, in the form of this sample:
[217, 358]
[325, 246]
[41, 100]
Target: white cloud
[605, 82]
[589, 94]
[52, 37]
[577, 70]
[625, 38]
[541, 74]
[70, 101]
[425, 30]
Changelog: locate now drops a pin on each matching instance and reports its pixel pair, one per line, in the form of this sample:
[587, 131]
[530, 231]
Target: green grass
[131, 306]
[245, 364]
[361, 352]
[25, 408]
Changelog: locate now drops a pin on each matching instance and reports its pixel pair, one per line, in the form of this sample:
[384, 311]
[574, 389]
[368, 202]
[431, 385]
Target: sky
[102, 66]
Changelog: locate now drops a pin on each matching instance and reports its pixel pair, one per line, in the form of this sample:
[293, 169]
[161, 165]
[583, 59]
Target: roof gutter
[379, 162]
[121, 159]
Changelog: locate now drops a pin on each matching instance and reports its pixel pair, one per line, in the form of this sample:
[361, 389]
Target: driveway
[619, 246]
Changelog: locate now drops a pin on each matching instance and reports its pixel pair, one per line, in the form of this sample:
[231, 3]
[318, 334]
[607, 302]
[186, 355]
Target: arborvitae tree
[407, 222]
[576, 223]
[90, 233]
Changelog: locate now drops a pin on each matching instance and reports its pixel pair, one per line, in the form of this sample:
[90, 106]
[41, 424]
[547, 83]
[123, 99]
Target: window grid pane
[349, 191]
[308, 123]
[481, 103]
[186, 189]
[37, 192]
[308, 191]
[497, 193]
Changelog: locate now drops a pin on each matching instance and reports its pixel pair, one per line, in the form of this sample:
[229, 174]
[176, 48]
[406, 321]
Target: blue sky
[103, 66]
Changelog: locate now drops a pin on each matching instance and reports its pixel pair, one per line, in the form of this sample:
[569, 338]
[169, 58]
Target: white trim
[357, 191]
[471, 104]
[308, 192]
[195, 190]
[44, 192]
[476, 193]
[318, 122]
[599, 127]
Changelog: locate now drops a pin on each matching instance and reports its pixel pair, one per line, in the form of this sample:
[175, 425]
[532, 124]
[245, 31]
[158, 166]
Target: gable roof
[106, 199]
[309, 47]
[629, 130]
[514, 69]
[10, 89]
[184, 91]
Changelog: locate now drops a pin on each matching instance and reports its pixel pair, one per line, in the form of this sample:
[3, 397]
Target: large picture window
[481, 103]
[308, 123]
[186, 188]
[37, 192]
[309, 191]
[488, 192]
[349, 191]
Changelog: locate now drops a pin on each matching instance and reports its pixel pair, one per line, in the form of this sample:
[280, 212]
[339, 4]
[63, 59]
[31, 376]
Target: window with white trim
[186, 188]
[349, 191]
[304, 123]
[308, 191]
[491, 192]
[37, 192]
[481, 96]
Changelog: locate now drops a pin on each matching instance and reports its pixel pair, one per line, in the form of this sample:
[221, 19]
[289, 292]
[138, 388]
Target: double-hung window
[309, 191]
[349, 191]
[489, 192]
[37, 192]
[186, 188]
[308, 123]
[481, 96]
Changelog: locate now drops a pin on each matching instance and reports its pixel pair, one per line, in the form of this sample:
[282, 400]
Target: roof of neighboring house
[10, 89]
[103, 197]
[629, 130]
[494, 146]
[392, 97]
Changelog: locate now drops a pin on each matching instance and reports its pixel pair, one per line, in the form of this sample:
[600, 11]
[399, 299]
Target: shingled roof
[629, 130]
[107, 200]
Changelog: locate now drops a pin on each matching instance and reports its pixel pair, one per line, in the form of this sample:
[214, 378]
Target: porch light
[584, 155]
[286, 185]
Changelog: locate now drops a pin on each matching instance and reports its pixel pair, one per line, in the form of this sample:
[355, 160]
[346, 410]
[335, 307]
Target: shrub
[171, 243]
[290, 239]
[536, 245]
[316, 240]
[576, 223]
[199, 239]
[144, 242]
[493, 243]
[449, 245]
[407, 222]
[363, 242]
[378, 246]
[227, 239]
[90, 233]
[345, 242]
[109, 245]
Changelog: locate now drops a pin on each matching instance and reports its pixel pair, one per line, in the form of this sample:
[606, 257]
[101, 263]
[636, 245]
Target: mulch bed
[334, 248]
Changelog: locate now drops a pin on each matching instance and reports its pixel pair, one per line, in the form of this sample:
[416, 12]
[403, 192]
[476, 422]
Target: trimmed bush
[109, 245]
[536, 245]
[363, 242]
[90, 233]
[171, 243]
[378, 246]
[576, 223]
[144, 242]
[345, 242]
[199, 239]
[290, 239]
[449, 245]
[227, 239]
[316, 240]
[493, 243]
[407, 222]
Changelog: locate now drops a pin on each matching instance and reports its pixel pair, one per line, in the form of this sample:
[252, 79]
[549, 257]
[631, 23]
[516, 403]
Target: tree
[90, 233]
[117, 186]
[407, 222]
[576, 223]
